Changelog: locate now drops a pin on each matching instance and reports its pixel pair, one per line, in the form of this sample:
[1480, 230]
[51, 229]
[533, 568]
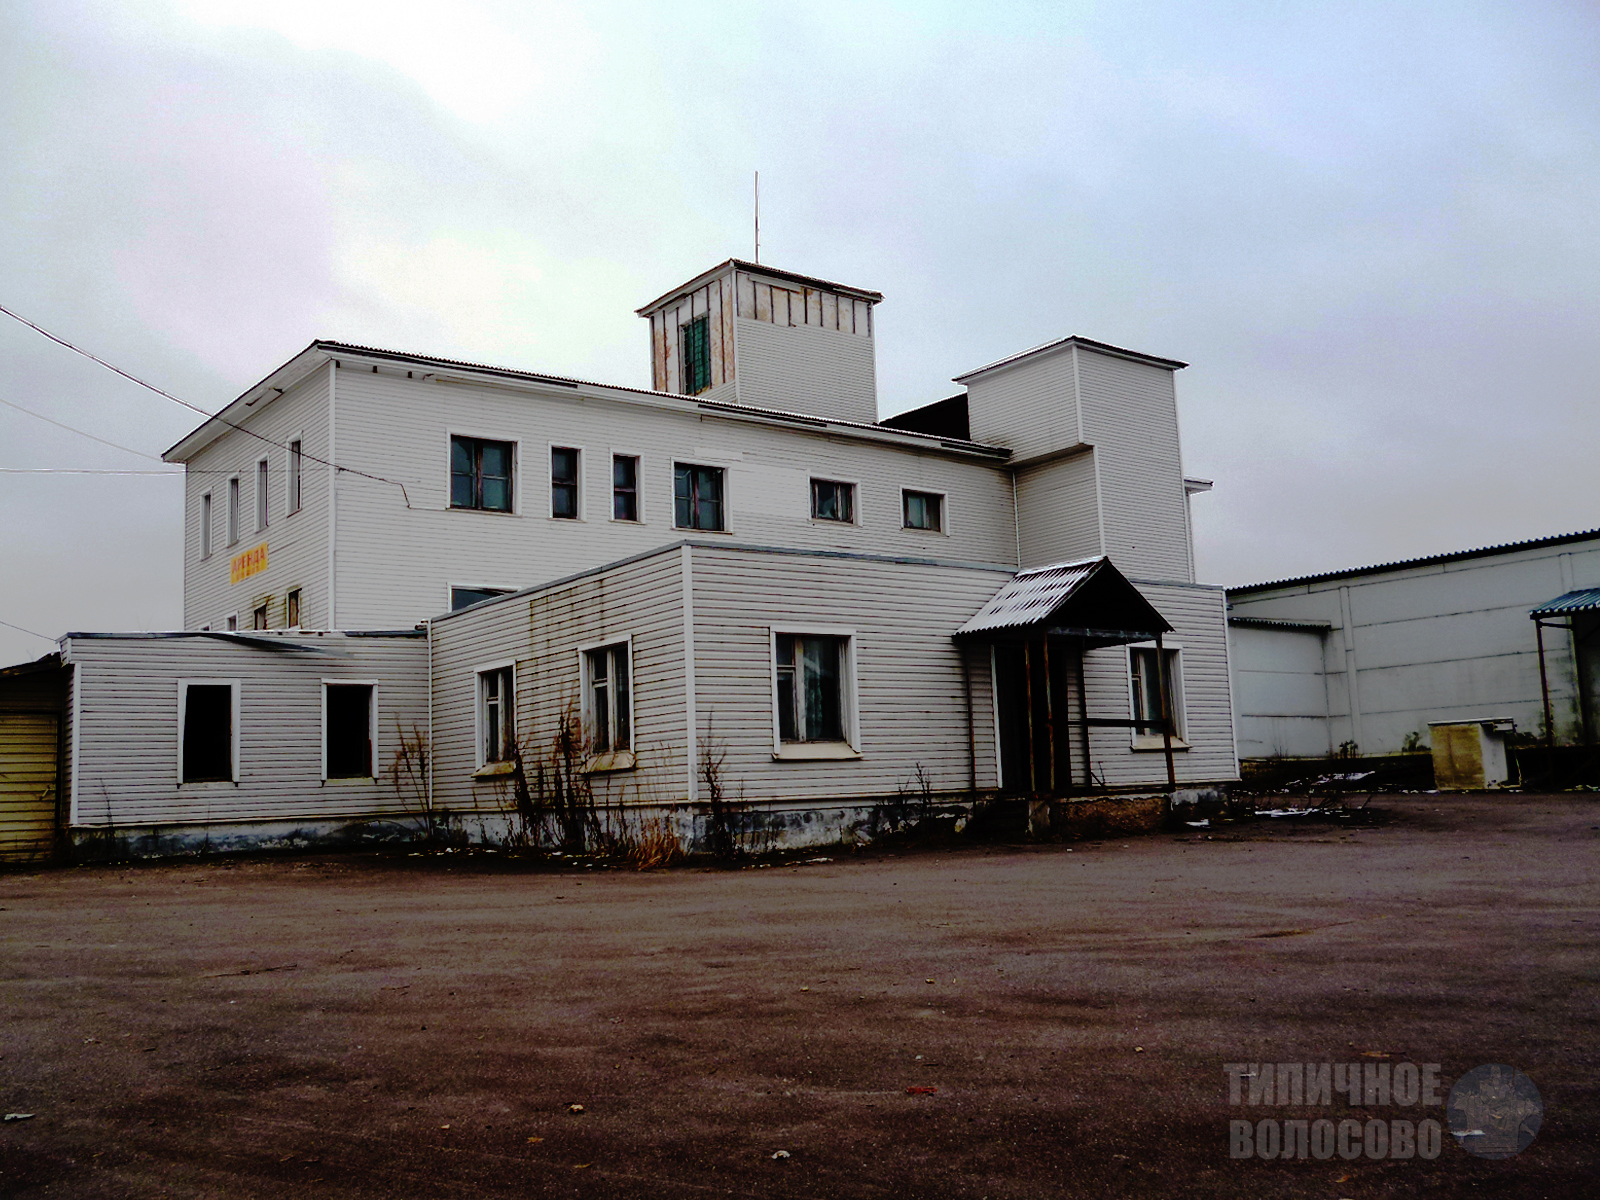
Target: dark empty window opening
[460, 597]
[564, 482]
[832, 500]
[349, 730]
[293, 503]
[924, 510]
[624, 487]
[480, 474]
[697, 497]
[208, 733]
[260, 617]
[291, 608]
[695, 367]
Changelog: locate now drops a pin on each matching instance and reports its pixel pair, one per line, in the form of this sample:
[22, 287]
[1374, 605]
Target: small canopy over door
[1579, 614]
[1038, 627]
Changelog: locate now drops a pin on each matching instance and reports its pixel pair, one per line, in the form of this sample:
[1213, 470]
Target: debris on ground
[574, 1108]
[19, 1116]
[780, 1154]
[921, 1091]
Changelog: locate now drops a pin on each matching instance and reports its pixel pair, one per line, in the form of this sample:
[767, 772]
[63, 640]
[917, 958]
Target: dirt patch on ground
[370, 1027]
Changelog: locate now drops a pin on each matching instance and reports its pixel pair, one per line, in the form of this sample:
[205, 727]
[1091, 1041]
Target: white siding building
[742, 557]
[1365, 659]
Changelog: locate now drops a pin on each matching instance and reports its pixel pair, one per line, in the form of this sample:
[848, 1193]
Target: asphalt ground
[420, 1027]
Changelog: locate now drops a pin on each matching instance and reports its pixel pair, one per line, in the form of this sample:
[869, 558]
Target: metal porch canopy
[1089, 600]
[1549, 615]
[1074, 606]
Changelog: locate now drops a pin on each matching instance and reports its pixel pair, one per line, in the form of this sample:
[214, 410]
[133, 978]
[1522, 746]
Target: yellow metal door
[28, 785]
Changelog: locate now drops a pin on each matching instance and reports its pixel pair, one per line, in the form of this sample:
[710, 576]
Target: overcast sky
[1370, 228]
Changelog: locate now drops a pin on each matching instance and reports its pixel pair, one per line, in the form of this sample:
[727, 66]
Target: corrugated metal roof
[1031, 596]
[1559, 539]
[1582, 600]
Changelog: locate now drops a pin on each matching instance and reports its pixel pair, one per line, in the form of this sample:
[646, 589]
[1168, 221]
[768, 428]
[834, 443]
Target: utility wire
[80, 432]
[85, 471]
[60, 341]
[29, 632]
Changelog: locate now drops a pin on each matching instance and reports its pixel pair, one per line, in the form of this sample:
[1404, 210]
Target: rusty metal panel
[763, 302]
[830, 311]
[714, 329]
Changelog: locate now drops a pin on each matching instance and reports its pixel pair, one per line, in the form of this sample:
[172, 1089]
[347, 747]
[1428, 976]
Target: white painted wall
[1433, 642]
[1281, 692]
[125, 749]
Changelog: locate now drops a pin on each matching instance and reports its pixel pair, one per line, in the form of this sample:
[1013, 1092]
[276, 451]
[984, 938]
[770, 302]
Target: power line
[60, 341]
[86, 471]
[29, 632]
[80, 432]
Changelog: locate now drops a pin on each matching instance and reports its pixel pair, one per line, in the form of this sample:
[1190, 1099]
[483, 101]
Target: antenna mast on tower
[758, 216]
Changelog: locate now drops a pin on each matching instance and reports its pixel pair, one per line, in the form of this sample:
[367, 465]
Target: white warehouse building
[407, 578]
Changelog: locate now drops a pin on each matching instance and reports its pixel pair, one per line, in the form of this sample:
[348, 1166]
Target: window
[813, 699]
[923, 510]
[624, 487]
[347, 730]
[497, 715]
[695, 366]
[564, 482]
[607, 699]
[294, 476]
[832, 500]
[1147, 700]
[259, 617]
[233, 622]
[208, 731]
[460, 597]
[233, 510]
[291, 609]
[205, 525]
[480, 474]
[697, 497]
[261, 495]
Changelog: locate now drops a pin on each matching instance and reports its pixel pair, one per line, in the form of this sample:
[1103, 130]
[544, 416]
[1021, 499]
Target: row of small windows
[208, 731]
[481, 476]
[261, 614]
[263, 500]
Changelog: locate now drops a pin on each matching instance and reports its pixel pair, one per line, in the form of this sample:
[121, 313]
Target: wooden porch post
[1166, 713]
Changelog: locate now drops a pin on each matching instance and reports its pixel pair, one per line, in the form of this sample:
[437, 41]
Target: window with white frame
[348, 729]
[923, 510]
[233, 510]
[564, 461]
[481, 474]
[208, 731]
[813, 684]
[262, 471]
[232, 622]
[608, 698]
[205, 525]
[1146, 695]
[697, 497]
[497, 715]
[625, 487]
[295, 456]
[832, 500]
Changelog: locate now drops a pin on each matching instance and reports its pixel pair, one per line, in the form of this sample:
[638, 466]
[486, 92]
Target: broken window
[1147, 697]
[460, 597]
[233, 510]
[480, 474]
[497, 715]
[262, 471]
[811, 673]
[697, 497]
[205, 525]
[564, 482]
[832, 500]
[608, 702]
[294, 476]
[347, 730]
[260, 617]
[233, 622]
[291, 608]
[923, 510]
[624, 487]
[206, 731]
[695, 370]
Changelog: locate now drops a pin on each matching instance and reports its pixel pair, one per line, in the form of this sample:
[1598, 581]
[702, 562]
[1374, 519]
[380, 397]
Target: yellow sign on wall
[248, 563]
